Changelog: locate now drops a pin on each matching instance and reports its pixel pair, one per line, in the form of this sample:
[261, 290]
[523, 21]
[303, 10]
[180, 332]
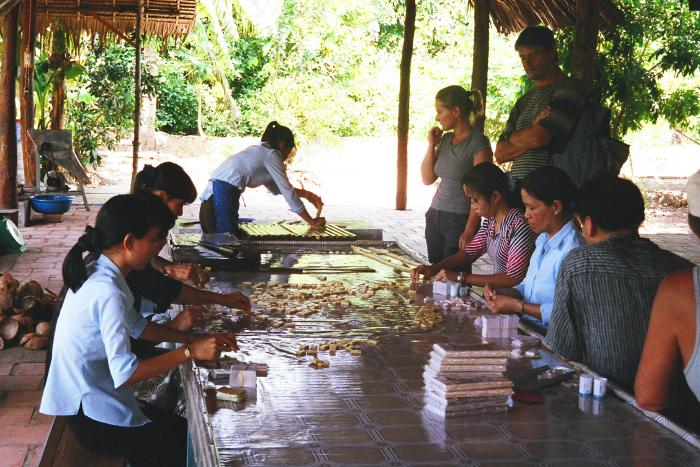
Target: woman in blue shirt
[93, 367]
[260, 164]
[548, 194]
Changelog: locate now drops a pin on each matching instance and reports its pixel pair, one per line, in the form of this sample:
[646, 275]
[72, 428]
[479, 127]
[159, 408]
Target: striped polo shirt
[602, 303]
[510, 248]
[566, 98]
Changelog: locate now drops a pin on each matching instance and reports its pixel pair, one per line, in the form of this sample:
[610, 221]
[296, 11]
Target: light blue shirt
[541, 277]
[255, 166]
[91, 355]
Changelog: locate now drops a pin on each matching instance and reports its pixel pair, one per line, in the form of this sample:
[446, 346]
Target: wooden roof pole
[586, 41]
[404, 97]
[26, 100]
[137, 90]
[8, 135]
[480, 60]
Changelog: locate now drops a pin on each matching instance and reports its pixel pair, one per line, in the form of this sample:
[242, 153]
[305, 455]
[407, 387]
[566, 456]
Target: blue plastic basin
[51, 204]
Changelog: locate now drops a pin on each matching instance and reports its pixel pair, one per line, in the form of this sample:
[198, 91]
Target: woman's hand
[426, 271]
[235, 300]
[500, 304]
[209, 348]
[434, 136]
[446, 275]
[187, 319]
[188, 272]
[318, 223]
[544, 113]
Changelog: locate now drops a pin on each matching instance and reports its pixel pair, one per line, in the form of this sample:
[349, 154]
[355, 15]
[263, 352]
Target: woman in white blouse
[261, 164]
[92, 367]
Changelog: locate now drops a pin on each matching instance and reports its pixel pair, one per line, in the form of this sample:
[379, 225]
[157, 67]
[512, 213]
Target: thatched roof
[162, 18]
[510, 16]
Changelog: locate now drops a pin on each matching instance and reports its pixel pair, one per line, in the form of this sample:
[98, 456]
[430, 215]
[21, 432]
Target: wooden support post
[8, 135]
[404, 98]
[137, 90]
[586, 41]
[480, 60]
[26, 99]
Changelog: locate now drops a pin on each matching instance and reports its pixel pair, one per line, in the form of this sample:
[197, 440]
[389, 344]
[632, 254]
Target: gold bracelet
[188, 353]
[522, 307]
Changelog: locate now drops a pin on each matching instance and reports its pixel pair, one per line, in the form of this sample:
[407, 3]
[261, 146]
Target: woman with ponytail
[260, 164]
[161, 282]
[92, 370]
[504, 234]
[453, 148]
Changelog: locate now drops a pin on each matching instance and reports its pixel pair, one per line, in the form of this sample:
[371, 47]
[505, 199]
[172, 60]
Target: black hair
[694, 224]
[469, 102]
[169, 177]
[612, 203]
[118, 217]
[275, 134]
[535, 36]
[486, 178]
[549, 184]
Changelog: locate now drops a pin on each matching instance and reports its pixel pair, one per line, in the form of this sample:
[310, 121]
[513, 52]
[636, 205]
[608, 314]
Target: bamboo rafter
[162, 18]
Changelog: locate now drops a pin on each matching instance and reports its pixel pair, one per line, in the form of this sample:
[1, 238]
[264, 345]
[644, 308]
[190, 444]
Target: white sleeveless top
[692, 370]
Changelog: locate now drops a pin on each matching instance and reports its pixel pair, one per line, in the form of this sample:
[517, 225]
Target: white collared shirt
[91, 355]
[255, 166]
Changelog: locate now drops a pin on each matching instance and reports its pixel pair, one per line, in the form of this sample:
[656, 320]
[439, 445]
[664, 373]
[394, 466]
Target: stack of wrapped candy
[466, 380]
[497, 326]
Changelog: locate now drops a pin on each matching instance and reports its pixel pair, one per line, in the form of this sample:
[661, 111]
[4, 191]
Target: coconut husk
[9, 330]
[26, 338]
[29, 287]
[2, 343]
[37, 343]
[26, 305]
[8, 287]
[43, 328]
[50, 295]
[26, 321]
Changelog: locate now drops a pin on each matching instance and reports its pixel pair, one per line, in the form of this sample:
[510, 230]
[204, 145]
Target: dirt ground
[362, 171]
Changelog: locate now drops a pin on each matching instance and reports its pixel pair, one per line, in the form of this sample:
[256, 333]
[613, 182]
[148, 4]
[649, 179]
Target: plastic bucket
[11, 240]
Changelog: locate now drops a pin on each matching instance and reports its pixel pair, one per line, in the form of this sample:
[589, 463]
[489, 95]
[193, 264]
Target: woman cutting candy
[261, 164]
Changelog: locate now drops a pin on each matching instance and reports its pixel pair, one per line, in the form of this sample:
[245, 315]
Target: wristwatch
[460, 276]
[188, 353]
[522, 308]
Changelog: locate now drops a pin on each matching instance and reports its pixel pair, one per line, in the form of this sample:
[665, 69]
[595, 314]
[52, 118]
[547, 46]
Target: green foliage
[177, 103]
[659, 39]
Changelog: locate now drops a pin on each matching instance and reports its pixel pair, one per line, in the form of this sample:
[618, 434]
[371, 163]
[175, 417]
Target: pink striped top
[510, 248]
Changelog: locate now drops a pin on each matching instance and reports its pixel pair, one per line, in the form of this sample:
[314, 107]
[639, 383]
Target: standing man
[542, 119]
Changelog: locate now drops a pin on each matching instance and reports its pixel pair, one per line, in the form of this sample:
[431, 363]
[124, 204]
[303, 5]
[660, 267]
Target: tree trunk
[404, 98]
[480, 63]
[26, 101]
[585, 42]
[137, 98]
[60, 60]
[8, 133]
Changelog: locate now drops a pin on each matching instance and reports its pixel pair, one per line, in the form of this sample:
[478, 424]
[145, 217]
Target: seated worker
[89, 380]
[504, 234]
[161, 282]
[453, 148]
[260, 164]
[548, 194]
[673, 340]
[604, 291]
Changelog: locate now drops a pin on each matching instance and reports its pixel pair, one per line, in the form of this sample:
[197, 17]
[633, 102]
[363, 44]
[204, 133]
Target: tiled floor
[23, 431]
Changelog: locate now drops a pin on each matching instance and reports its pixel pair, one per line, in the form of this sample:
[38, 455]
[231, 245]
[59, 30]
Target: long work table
[367, 407]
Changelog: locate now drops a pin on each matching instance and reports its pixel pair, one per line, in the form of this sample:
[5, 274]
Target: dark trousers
[220, 212]
[163, 442]
[442, 231]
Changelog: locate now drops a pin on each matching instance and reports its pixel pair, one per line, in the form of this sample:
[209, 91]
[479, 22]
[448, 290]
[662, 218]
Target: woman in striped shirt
[504, 234]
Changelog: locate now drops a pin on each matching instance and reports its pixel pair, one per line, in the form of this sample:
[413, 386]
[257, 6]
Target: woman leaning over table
[504, 234]
[453, 148]
[548, 195]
